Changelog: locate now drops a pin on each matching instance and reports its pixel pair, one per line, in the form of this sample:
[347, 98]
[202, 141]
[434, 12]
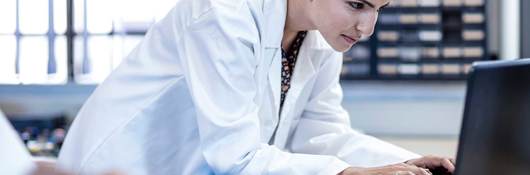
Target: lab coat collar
[304, 70]
[275, 13]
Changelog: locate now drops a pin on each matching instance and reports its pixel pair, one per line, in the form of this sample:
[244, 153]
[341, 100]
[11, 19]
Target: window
[107, 31]
[34, 39]
[33, 42]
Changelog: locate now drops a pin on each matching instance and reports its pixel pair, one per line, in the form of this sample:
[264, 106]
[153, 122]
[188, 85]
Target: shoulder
[189, 12]
[225, 18]
[223, 9]
[236, 18]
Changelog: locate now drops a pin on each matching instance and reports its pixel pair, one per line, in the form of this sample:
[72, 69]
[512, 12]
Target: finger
[421, 171]
[428, 171]
[403, 173]
[453, 161]
[418, 171]
[435, 162]
[403, 166]
[447, 164]
[425, 171]
[424, 162]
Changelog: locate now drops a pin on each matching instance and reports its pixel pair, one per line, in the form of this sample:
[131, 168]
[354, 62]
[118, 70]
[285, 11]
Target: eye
[356, 5]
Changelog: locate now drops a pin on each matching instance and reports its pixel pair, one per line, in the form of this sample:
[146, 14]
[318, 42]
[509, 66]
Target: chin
[338, 44]
[340, 47]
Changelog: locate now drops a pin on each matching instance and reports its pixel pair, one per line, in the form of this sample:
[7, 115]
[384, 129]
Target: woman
[236, 87]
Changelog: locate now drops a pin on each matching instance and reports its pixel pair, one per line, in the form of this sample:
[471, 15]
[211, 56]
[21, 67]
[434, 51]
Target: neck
[297, 20]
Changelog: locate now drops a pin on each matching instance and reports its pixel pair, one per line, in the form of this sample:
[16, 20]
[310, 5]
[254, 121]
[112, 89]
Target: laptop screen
[495, 135]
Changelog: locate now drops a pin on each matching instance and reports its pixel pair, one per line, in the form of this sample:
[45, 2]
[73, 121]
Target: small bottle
[57, 139]
[25, 136]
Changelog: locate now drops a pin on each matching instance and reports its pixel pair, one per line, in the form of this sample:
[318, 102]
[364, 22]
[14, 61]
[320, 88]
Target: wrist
[349, 171]
[409, 162]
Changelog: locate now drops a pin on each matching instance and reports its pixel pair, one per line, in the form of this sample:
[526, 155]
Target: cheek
[336, 23]
[332, 22]
[340, 20]
[331, 14]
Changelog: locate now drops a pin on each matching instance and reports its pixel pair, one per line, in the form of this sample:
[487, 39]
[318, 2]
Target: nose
[366, 23]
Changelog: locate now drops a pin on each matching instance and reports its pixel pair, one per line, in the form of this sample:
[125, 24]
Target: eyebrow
[372, 5]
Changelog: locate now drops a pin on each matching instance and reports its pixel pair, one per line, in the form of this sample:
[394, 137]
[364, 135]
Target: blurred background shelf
[422, 40]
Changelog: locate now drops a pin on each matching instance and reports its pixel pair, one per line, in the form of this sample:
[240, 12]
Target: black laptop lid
[495, 135]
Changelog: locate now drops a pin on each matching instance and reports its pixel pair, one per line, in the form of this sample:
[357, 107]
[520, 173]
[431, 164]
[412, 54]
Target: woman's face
[344, 22]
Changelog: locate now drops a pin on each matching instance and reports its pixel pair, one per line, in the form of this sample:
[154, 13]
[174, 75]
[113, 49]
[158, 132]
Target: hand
[434, 163]
[47, 168]
[396, 169]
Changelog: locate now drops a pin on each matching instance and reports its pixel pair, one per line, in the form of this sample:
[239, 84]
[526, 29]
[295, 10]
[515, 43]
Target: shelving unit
[422, 40]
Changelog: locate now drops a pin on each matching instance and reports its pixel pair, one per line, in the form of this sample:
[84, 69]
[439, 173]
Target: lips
[349, 39]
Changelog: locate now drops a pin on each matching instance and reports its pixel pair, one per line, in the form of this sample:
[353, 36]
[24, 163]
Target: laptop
[495, 133]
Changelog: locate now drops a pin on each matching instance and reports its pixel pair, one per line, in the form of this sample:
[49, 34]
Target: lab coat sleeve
[217, 54]
[324, 127]
[14, 158]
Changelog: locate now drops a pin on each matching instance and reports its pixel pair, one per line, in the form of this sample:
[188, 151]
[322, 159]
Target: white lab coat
[14, 158]
[200, 95]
